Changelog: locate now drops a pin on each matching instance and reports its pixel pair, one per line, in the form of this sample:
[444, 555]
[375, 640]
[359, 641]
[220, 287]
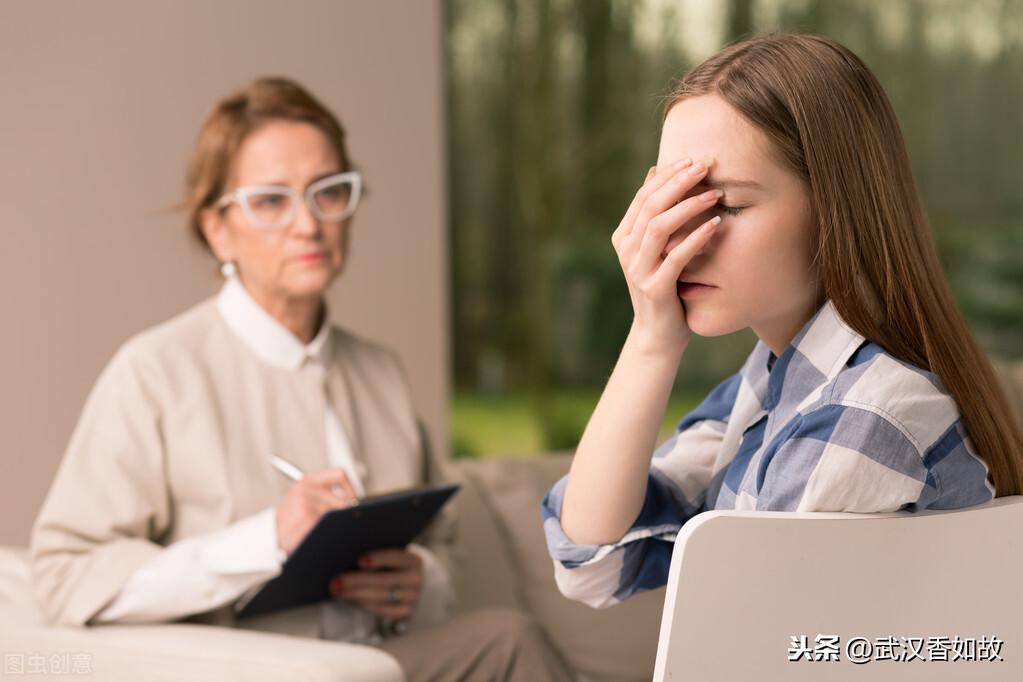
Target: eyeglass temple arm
[225, 200]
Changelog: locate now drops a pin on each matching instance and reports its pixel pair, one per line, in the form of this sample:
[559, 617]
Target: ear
[218, 236]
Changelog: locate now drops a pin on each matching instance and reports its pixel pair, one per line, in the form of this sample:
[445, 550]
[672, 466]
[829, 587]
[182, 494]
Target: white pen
[294, 473]
[286, 468]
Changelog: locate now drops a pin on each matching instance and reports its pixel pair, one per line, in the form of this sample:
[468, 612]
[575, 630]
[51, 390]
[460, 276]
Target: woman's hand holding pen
[307, 499]
[652, 260]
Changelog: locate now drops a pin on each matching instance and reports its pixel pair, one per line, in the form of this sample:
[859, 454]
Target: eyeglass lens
[332, 200]
[270, 207]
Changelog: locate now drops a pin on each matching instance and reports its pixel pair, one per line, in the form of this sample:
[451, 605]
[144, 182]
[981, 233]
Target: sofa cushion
[167, 652]
[17, 605]
[180, 651]
[612, 644]
[482, 569]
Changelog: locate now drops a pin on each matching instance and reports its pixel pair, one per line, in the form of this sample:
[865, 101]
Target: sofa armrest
[171, 652]
[183, 651]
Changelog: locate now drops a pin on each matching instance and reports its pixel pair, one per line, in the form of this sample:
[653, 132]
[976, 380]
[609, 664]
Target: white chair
[742, 585]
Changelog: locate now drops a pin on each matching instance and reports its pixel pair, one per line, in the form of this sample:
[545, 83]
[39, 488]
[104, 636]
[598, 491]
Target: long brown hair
[228, 124]
[831, 123]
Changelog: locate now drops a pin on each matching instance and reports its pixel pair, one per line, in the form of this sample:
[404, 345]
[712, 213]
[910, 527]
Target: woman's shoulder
[150, 361]
[177, 339]
[187, 328]
[894, 422]
[912, 398]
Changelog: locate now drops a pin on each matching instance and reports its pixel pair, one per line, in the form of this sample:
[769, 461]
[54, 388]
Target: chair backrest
[747, 591]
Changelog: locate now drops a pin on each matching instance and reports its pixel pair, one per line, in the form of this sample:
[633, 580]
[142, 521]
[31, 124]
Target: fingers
[393, 603]
[679, 256]
[316, 501]
[357, 580]
[307, 500]
[331, 477]
[663, 213]
[383, 569]
[391, 558]
[378, 594]
[655, 179]
[625, 226]
[387, 593]
[394, 612]
[684, 212]
[335, 484]
[323, 501]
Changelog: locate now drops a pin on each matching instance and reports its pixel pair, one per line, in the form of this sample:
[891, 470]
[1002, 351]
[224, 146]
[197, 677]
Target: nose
[306, 223]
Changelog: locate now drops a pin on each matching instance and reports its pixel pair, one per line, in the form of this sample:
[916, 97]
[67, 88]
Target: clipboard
[340, 537]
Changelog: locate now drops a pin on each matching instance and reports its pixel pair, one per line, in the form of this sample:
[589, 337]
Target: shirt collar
[814, 357]
[268, 338]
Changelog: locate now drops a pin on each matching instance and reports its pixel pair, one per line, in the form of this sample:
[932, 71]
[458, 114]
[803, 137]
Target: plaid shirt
[833, 424]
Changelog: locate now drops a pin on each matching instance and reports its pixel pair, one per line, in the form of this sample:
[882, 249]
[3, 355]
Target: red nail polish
[367, 561]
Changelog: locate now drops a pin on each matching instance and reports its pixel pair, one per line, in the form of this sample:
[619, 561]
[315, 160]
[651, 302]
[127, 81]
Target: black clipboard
[340, 537]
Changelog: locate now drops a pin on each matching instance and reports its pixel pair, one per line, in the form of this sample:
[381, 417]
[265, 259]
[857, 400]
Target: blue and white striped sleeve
[680, 474]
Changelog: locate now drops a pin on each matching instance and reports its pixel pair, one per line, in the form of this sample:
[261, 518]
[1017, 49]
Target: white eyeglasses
[272, 207]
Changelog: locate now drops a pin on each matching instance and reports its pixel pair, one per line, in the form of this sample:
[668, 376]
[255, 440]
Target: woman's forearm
[607, 481]
[199, 573]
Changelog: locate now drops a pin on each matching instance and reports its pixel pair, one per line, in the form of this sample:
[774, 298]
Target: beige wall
[100, 103]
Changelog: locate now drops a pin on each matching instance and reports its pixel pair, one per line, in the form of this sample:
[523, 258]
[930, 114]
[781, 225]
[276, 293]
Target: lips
[693, 290]
[693, 281]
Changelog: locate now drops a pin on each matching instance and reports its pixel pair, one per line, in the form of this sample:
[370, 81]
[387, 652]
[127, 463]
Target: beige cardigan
[174, 441]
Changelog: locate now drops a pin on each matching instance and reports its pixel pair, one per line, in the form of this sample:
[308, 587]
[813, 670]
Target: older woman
[166, 505]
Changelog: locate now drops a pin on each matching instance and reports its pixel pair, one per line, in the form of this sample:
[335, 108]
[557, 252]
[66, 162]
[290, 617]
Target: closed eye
[731, 210]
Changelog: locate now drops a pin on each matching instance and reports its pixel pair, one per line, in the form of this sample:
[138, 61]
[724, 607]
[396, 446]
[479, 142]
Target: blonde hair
[231, 120]
[830, 122]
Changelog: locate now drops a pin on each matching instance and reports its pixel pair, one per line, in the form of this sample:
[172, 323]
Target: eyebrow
[734, 183]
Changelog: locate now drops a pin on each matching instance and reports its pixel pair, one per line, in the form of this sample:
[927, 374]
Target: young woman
[783, 201]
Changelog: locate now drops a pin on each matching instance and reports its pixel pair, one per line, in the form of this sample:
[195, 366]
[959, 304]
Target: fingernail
[682, 163]
[712, 194]
[366, 561]
[698, 169]
[650, 173]
[712, 223]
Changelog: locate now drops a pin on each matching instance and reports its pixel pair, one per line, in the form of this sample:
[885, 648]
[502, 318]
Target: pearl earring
[227, 269]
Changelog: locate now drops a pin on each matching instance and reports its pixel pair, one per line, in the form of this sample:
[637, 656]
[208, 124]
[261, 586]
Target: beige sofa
[501, 562]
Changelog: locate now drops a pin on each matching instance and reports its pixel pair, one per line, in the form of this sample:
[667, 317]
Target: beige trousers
[489, 645]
